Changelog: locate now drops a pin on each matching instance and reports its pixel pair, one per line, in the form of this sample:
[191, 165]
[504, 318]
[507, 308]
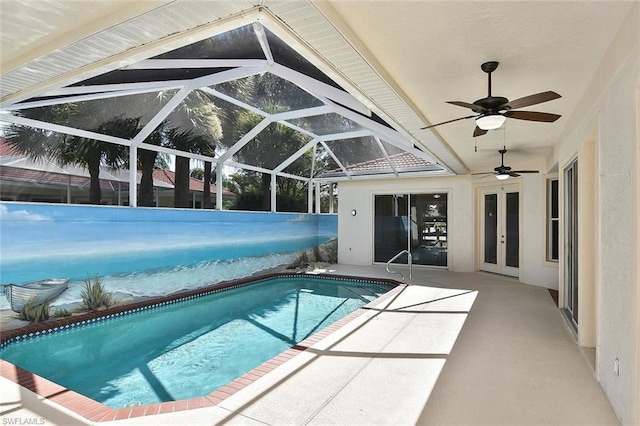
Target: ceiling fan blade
[525, 171]
[445, 122]
[513, 174]
[532, 116]
[483, 173]
[538, 98]
[473, 107]
[479, 132]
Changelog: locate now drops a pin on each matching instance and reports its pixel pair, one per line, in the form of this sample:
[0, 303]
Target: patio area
[448, 349]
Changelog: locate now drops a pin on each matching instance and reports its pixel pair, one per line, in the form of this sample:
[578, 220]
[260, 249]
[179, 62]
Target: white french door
[500, 230]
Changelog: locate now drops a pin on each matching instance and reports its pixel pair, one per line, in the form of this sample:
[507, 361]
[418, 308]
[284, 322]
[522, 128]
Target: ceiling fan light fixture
[490, 122]
[502, 176]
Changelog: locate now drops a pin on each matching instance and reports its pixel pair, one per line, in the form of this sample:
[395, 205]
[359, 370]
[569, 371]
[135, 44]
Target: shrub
[317, 254]
[331, 249]
[61, 312]
[302, 260]
[35, 312]
[94, 295]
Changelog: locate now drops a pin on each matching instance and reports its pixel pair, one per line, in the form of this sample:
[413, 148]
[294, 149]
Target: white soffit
[105, 44]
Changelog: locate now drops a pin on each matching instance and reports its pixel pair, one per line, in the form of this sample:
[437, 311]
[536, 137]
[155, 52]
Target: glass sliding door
[414, 222]
[571, 240]
[391, 233]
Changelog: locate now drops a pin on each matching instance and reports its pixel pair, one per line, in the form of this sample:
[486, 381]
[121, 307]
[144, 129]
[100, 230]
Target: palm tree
[194, 127]
[273, 144]
[67, 149]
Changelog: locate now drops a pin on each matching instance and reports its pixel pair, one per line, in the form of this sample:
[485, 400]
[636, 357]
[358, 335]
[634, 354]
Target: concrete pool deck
[449, 349]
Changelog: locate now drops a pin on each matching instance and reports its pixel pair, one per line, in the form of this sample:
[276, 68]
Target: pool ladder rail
[408, 253]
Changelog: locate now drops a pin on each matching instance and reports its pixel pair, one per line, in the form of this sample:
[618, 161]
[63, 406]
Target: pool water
[189, 348]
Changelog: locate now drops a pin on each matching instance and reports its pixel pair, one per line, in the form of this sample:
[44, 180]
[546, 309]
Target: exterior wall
[534, 267]
[355, 233]
[609, 115]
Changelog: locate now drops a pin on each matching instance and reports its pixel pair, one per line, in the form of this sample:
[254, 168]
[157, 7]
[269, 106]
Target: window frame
[553, 233]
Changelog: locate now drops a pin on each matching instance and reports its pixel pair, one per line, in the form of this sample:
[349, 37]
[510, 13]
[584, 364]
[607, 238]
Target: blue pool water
[189, 348]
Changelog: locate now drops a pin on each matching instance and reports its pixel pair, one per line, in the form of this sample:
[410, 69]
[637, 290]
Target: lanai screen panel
[360, 155]
[285, 55]
[120, 116]
[272, 146]
[269, 93]
[194, 125]
[238, 43]
[327, 124]
[325, 162]
[406, 162]
[236, 122]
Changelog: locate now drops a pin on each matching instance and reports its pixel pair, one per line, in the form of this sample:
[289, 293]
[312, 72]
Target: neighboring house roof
[43, 177]
[5, 148]
[402, 162]
[168, 176]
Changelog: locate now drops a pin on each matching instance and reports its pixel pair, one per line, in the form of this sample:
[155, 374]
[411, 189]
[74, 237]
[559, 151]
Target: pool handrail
[409, 257]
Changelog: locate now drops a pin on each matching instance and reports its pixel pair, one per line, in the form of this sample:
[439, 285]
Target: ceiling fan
[503, 172]
[492, 111]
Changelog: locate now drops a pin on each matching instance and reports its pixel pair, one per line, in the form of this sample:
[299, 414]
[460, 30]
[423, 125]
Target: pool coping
[97, 412]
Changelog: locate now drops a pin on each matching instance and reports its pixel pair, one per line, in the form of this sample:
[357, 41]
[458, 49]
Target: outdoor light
[502, 176]
[490, 122]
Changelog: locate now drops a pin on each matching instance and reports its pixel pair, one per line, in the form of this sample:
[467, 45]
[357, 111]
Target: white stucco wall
[535, 268]
[610, 106]
[619, 211]
[355, 233]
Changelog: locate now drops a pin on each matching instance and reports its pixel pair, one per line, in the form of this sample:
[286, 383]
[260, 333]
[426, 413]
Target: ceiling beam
[160, 64]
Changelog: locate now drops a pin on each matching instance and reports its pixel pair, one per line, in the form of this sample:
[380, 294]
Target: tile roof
[403, 162]
[5, 148]
[42, 177]
[168, 176]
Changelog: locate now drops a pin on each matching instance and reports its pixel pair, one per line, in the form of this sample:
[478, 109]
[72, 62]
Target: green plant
[302, 260]
[35, 312]
[61, 312]
[317, 254]
[94, 295]
[331, 249]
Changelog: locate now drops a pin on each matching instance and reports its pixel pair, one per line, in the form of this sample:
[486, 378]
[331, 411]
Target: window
[553, 221]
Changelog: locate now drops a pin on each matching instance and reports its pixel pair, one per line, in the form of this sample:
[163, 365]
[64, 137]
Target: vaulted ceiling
[402, 60]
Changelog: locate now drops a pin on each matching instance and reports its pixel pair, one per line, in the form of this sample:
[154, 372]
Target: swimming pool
[187, 348]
